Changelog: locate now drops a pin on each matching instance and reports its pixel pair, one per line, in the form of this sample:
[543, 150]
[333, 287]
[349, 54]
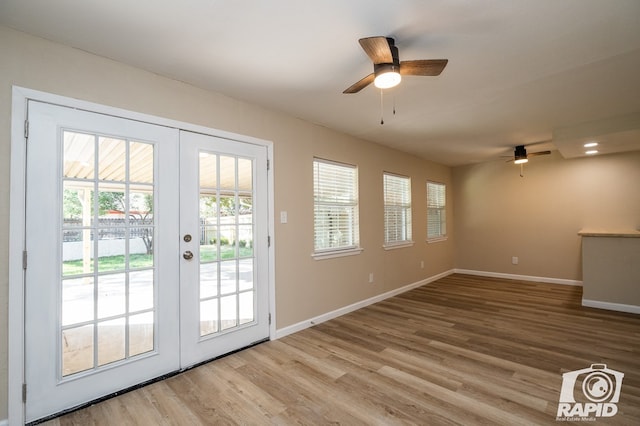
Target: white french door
[98, 308]
[113, 298]
[224, 246]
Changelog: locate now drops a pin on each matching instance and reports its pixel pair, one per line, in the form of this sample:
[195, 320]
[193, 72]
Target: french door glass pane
[77, 300]
[208, 280]
[140, 290]
[112, 295]
[246, 307]
[113, 252]
[108, 280]
[79, 155]
[141, 333]
[77, 251]
[112, 163]
[77, 349]
[208, 242]
[245, 277]
[228, 312]
[226, 242]
[208, 317]
[228, 277]
[141, 153]
[245, 182]
[208, 171]
[111, 341]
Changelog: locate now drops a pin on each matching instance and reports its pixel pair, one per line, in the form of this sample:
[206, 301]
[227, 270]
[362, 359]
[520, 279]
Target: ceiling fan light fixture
[520, 155]
[387, 76]
[387, 68]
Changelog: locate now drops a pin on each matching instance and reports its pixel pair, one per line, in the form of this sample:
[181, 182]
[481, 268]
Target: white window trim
[332, 254]
[404, 243]
[393, 246]
[437, 239]
[443, 237]
[329, 253]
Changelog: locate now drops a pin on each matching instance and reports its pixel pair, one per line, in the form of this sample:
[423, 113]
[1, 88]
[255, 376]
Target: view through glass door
[109, 286]
[224, 246]
[101, 260]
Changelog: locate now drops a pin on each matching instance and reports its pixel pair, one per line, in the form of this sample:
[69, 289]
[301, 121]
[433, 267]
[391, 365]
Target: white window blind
[436, 211]
[335, 188]
[397, 209]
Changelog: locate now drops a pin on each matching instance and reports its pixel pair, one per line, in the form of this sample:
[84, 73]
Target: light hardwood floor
[463, 350]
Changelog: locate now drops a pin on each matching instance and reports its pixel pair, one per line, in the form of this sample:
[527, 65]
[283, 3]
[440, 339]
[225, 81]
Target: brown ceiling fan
[520, 155]
[387, 68]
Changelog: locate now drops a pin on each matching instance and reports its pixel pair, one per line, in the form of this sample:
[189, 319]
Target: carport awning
[117, 160]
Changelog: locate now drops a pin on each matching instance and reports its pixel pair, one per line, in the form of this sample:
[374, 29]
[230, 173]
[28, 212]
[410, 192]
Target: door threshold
[140, 385]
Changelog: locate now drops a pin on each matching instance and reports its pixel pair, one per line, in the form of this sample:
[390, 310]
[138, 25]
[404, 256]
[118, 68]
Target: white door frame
[17, 224]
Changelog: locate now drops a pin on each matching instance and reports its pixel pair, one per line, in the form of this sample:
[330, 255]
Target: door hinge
[24, 393]
[26, 129]
[269, 318]
[269, 241]
[268, 164]
[24, 259]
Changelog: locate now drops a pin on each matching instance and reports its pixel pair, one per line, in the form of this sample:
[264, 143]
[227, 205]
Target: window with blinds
[397, 209]
[335, 191]
[436, 211]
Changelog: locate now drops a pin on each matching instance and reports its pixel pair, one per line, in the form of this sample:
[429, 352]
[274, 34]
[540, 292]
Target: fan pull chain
[521, 170]
[381, 108]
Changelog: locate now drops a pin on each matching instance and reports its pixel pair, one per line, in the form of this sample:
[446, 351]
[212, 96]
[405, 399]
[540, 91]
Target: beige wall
[537, 217]
[497, 214]
[304, 287]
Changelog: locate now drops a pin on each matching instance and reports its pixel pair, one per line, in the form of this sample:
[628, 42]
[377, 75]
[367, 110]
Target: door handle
[187, 255]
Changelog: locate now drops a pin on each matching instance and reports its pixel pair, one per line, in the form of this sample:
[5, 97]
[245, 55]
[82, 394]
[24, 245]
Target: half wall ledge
[611, 269]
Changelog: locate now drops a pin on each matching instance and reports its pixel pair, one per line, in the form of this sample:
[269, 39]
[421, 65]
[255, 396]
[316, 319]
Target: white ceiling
[518, 70]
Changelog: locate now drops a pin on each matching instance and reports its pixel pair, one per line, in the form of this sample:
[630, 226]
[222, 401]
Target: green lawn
[115, 263]
[208, 253]
[108, 263]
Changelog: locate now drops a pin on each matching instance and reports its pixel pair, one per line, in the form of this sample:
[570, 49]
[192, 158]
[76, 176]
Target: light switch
[283, 216]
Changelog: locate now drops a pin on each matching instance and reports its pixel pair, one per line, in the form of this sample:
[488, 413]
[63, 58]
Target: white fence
[73, 250]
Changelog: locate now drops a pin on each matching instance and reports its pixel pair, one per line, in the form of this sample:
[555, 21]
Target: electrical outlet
[422, 264]
[371, 277]
[514, 260]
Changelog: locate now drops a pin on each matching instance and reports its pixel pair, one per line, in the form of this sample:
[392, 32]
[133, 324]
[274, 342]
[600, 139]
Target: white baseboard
[285, 331]
[632, 309]
[518, 277]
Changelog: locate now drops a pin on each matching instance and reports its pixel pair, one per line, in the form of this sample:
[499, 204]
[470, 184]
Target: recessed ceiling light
[593, 151]
[590, 144]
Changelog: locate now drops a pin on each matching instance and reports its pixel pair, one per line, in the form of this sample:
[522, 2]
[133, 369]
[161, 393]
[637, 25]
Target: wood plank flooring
[463, 350]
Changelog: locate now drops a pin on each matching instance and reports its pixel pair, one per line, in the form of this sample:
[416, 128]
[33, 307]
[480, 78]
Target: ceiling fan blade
[426, 67]
[378, 49]
[356, 87]
[539, 153]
